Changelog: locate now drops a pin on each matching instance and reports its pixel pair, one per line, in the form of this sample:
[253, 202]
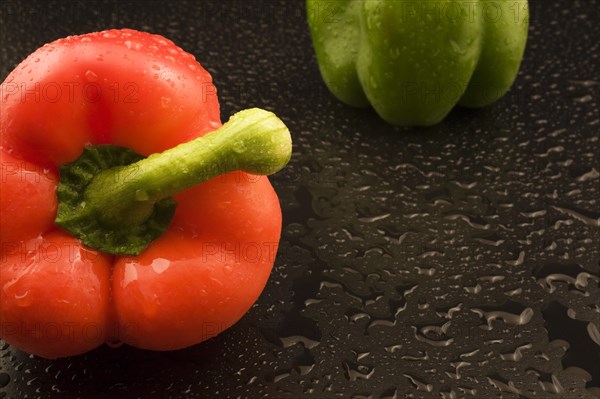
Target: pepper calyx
[117, 201]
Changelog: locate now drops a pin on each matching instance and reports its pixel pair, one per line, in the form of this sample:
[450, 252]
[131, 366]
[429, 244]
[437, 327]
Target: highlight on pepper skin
[135, 90]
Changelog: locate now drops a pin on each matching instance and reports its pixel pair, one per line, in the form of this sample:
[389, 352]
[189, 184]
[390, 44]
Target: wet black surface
[459, 261]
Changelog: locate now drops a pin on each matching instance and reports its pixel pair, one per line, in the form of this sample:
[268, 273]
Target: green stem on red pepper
[120, 207]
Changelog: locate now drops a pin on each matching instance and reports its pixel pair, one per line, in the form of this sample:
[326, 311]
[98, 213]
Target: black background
[454, 261]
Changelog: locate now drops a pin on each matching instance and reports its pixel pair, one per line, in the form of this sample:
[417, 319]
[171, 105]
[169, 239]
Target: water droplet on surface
[4, 379]
[130, 275]
[159, 265]
[239, 147]
[132, 45]
[23, 299]
[588, 217]
[297, 339]
[584, 99]
[420, 385]
[457, 48]
[517, 355]
[373, 82]
[355, 371]
[90, 76]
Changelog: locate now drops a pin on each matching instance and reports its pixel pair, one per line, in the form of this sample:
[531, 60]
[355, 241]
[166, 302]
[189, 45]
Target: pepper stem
[122, 198]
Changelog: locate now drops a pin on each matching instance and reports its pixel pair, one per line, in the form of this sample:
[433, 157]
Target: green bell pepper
[413, 61]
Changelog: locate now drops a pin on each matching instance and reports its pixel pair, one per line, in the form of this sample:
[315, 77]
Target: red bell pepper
[66, 287]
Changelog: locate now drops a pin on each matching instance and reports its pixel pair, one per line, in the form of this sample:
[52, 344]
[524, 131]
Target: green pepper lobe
[413, 61]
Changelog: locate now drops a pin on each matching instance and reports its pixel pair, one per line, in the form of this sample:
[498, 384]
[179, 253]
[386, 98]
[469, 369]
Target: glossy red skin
[58, 298]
